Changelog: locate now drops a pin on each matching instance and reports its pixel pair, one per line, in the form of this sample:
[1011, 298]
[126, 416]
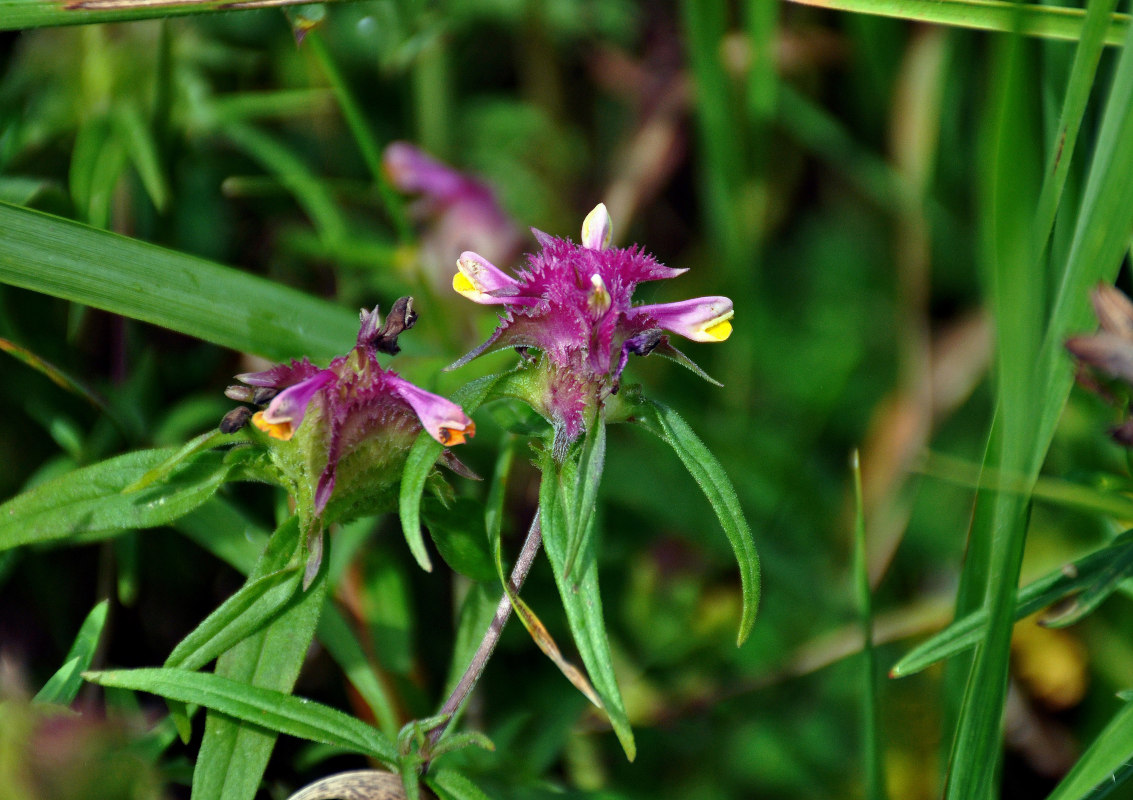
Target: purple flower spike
[346, 429]
[574, 303]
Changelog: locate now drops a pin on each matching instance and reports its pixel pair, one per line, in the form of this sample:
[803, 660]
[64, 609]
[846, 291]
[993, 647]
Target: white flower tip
[599, 299]
[597, 230]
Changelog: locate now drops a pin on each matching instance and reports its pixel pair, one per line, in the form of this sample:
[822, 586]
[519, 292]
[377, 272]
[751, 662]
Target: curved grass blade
[1047, 590]
[584, 493]
[184, 293]
[58, 377]
[89, 503]
[265, 708]
[451, 785]
[1048, 22]
[1109, 757]
[63, 687]
[293, 173]
[710, 476]
[420, 462]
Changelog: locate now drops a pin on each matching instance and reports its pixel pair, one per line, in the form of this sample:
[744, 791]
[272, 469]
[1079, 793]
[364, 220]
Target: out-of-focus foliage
[827, 171]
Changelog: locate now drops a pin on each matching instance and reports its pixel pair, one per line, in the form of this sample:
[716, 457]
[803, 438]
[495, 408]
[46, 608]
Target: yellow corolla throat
[720, 328]
[276, 430]
[464, 286]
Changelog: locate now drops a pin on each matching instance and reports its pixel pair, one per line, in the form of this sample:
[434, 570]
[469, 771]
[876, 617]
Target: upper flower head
[352, 412]
[574, 303]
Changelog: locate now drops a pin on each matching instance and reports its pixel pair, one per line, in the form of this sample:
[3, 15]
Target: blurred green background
[822, 169]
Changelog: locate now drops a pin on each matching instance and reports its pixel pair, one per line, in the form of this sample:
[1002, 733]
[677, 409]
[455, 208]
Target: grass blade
[187, 294]
[1048, 22]
[63, 687]
[1099, 766]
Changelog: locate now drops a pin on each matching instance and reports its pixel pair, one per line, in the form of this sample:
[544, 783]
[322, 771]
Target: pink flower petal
[702, 319]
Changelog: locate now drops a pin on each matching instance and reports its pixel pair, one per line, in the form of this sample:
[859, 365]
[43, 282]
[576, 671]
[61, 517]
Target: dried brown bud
[401, 317]
[235, 419]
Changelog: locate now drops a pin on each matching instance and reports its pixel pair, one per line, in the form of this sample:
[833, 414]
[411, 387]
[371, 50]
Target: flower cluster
[574, 303]
[352, 417]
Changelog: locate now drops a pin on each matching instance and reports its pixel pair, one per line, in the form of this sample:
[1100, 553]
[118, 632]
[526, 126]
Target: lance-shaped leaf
[235, 753]
[89, 503]
[265, 708]
[63, 687]
[579, 591]
[710, 476]
[1086, 574]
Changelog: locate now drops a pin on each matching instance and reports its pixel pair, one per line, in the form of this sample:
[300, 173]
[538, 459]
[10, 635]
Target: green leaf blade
[63, 687]
[196, 297]
[259, 706]
[89, 503]
[710, 476]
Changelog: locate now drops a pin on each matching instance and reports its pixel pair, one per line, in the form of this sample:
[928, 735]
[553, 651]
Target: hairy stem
[492, 636]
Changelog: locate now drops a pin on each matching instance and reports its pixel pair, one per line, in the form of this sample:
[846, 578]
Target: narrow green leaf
[1078, 89]
[1049, 22]
[1035, 596]
[63, 687]
[192, 447]
[1110, 753]
[265, 708]
[451, 785]
[142, 151]
[871, 728]
[234, 754]
[418, 464]
[710, 476]
[584, 493]
[59, 378]
[1096, 591]
[187, 294]
[242, 614]
[89, 503]
[363, 137]
[579, 592]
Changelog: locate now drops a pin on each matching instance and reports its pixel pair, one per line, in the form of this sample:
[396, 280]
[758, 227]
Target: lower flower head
[352, 413]
[574, 303]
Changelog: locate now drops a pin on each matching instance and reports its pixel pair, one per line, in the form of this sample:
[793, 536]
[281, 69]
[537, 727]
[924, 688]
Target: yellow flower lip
[464, 286]
[719, 330]
[277, 430]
